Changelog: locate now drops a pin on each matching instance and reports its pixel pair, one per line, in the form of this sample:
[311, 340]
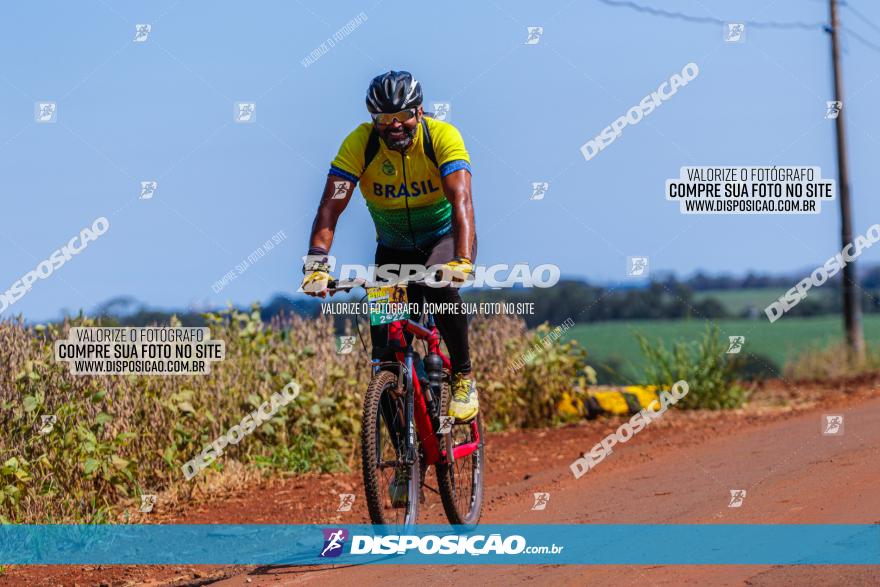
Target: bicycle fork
[410, 416]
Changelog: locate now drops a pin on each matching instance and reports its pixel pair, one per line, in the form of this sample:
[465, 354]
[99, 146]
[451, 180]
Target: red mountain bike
[405, 428]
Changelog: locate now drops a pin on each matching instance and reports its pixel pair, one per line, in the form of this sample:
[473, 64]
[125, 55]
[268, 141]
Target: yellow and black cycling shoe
[464, 405]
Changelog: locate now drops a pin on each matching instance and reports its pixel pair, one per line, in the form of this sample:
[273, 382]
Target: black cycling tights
[453, 327]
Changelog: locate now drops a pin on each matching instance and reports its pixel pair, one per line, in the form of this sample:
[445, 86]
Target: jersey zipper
[412, 235]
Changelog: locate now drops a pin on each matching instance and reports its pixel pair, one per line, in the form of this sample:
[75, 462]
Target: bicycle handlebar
[334, 286]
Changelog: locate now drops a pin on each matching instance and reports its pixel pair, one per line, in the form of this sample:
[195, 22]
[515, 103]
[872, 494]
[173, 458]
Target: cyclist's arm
[457, 187]
[329, 211]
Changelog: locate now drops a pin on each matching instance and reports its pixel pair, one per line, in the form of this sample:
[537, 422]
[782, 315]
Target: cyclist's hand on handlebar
[458, 270]
[315, 283]
[317, 278]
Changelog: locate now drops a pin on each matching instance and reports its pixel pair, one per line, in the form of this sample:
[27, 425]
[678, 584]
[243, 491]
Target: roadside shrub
[524, 375]
[754, 367]
[610, 371]
[703, 363]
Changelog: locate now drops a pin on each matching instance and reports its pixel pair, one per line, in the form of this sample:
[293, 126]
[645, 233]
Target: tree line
[664, 298]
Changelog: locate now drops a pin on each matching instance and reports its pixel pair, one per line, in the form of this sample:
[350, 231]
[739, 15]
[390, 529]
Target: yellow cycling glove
[317, 276]
[457, 271]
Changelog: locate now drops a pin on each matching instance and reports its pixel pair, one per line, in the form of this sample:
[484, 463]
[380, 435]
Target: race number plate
[387, 304]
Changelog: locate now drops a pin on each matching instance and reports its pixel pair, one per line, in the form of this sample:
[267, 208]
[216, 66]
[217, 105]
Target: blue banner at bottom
[588, 544]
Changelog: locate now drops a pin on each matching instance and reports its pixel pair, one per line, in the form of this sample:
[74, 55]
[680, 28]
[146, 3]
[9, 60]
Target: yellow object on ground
[617, 400]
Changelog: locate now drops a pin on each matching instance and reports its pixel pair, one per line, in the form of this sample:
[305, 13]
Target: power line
[757, 24]
[709, 19]
[861, 16]
[861, 39]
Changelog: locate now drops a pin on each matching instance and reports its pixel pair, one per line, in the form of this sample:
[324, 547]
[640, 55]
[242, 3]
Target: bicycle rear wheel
[383, 451]
[461, 482]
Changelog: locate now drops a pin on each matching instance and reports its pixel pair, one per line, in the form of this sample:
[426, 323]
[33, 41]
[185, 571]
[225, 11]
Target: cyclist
[414, 173]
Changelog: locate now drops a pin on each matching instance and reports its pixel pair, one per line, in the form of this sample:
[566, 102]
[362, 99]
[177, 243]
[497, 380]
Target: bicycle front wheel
[392, 485]
[461, 482]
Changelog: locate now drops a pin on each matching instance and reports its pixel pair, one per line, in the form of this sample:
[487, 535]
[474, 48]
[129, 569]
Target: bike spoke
[463, 470]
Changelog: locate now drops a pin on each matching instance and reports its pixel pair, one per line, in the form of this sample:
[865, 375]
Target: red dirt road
[678, 470]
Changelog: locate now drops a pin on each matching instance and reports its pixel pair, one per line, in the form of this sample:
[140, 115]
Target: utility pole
[852, 308]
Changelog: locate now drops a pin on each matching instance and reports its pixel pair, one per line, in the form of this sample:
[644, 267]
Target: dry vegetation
[117, 437]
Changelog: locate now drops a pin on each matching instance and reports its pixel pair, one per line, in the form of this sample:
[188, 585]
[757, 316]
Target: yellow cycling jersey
[403, 191]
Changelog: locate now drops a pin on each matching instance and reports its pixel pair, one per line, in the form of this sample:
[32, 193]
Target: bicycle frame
[416, 405]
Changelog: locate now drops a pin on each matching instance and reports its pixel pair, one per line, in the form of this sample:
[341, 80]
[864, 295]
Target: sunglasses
[389, 118]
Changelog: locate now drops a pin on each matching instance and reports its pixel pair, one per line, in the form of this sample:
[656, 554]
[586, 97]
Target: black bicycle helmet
[393, 91]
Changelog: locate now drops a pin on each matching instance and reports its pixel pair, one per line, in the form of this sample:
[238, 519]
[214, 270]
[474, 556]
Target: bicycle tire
[450, 492]
[373, 449]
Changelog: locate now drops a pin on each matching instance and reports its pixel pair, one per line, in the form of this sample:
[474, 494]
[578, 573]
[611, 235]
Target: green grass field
[780, 341]
[737, 300]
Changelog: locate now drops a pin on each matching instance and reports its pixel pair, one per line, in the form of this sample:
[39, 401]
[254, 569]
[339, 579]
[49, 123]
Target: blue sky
[163, 110]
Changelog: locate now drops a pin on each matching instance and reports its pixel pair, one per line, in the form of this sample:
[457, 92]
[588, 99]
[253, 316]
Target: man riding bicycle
[414, 173]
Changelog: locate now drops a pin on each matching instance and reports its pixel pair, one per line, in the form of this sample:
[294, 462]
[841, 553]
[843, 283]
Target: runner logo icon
[541, 500]
[534, 35]
[637, 266]
[346, 500]
[441, 111]
[334, 540]
[47, 423]
[736, 344]
[832, 109]
[344, 344]
[737, 497]
[340, 190]
[539, 190]
[142, 32]
[735, 32]
[833, 425]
